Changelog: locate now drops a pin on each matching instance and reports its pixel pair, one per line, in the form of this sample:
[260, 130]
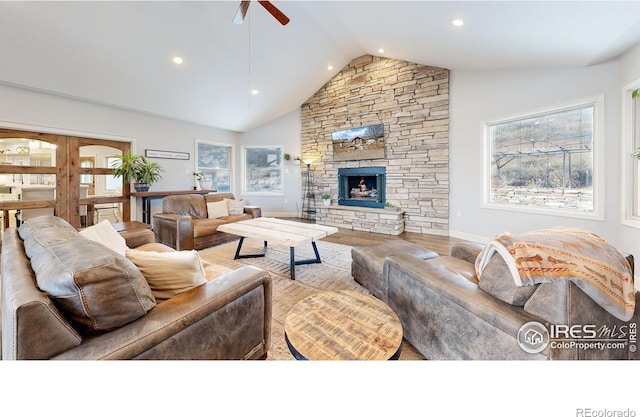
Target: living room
[478, 94]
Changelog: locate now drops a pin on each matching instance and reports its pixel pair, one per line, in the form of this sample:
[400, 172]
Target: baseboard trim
[468, 236]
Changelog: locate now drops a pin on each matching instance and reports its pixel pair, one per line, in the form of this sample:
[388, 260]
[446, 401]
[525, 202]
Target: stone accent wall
[412, 101]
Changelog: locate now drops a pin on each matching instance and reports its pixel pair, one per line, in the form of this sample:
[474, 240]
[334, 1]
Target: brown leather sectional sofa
[108, 311]
[446, 313]
[184, 223]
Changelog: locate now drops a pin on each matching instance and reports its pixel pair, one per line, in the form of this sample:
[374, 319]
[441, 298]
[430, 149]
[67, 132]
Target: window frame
[245, 177]
[198, 168]
[630, 166]
[598, 179]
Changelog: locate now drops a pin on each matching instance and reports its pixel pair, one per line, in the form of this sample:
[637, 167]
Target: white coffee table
[285, 232]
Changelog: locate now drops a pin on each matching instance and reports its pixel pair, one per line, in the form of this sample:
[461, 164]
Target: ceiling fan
[275, 12]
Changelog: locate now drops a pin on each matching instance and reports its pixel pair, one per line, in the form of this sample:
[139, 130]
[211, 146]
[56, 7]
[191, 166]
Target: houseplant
[138, 170]
[202, 180]
[326, 199]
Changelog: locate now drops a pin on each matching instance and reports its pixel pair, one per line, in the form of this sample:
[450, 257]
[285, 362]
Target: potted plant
[202, 180]
[138, 170]
[326, 199]
[389, 206]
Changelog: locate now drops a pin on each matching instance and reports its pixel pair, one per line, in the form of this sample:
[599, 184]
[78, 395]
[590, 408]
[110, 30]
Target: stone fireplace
[412, 102]
[362, 187]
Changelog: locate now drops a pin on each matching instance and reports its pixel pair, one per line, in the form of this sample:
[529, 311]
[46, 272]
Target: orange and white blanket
[550, 255]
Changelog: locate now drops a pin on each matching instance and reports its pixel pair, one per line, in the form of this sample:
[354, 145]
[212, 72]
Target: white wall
[284, 132]
[26, 109]
[477, 97]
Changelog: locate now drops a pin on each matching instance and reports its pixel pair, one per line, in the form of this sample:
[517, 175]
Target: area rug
[334, 273]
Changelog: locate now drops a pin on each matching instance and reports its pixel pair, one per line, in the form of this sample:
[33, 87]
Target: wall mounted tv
[366, 142]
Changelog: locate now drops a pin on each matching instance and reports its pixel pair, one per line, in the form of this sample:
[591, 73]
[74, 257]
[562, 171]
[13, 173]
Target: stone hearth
[364, 219]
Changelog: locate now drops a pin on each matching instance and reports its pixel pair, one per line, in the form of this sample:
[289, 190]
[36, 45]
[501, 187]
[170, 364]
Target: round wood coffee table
[343, 325]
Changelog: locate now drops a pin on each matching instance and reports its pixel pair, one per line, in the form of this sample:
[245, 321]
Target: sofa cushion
[105, 234]
[206, 227]
[49, 228]
[192, 205]
[169, 273]
[216, 209]
[496, 280]
[96, 288]
[235, 207]
[456, 266]
[231, 219]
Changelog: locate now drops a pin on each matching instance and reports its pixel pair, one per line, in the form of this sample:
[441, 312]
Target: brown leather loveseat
[187, 221]
[67, 297]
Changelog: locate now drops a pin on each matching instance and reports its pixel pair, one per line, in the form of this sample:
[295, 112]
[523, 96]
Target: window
[546, 161]
[112, 183]
[263, 170]
[214, 160]
[631, 165]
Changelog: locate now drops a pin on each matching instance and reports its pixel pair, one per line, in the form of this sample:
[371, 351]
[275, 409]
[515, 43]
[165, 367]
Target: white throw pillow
[169, 273]
[235, 207]
[217, 209]
[105, 234]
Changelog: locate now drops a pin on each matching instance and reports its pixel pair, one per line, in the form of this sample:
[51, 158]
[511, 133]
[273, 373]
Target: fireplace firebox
[364, 187]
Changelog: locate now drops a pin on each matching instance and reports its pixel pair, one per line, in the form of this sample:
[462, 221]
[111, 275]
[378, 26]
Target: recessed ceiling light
[254, 92]
[330, 67]
[457, 22]
[177, 60]
[381, 50]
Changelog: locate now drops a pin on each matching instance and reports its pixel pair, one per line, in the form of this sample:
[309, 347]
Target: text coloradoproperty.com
[587, 345]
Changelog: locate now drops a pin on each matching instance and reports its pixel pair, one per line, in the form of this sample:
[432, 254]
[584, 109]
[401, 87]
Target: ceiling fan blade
[238, 19]
[275, 12]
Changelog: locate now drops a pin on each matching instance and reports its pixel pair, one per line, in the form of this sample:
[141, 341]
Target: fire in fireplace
[363, 187]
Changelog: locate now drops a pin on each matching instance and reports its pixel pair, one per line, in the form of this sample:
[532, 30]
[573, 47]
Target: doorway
[65, 164]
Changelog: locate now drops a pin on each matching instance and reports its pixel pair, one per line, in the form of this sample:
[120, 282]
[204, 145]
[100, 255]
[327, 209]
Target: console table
[147, 196]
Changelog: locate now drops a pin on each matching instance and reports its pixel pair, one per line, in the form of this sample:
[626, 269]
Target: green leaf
[635, 93]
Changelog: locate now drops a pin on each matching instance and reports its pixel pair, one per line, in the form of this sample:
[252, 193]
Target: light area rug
[334, 273]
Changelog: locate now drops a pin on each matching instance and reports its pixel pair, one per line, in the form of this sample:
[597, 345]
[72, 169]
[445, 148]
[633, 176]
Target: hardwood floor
[440, 244]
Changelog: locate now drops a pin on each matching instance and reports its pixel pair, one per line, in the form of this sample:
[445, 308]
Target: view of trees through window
[544, 161]
[214, 160]
[263, 170]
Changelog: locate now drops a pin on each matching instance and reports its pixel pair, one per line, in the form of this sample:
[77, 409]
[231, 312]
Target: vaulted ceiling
[120, 53]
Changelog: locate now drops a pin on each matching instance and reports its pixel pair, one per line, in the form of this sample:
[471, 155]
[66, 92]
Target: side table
[135, 233]
[343, 325]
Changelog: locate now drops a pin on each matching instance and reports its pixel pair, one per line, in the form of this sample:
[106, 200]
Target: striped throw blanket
[550, 255]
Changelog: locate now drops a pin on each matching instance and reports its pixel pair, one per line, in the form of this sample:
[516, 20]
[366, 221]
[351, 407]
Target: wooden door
[64, 171]
[88, 179]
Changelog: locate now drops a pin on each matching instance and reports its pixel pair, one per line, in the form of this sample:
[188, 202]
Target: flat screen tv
[366, 142]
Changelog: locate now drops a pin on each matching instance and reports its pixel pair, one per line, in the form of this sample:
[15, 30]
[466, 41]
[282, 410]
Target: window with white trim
[263, 170]
[545, 161]
[214, 160]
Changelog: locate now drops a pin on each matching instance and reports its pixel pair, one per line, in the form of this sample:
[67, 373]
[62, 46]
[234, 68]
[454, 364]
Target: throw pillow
[169, 273]
[217, 209]
[236, 207]
[105, 234]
